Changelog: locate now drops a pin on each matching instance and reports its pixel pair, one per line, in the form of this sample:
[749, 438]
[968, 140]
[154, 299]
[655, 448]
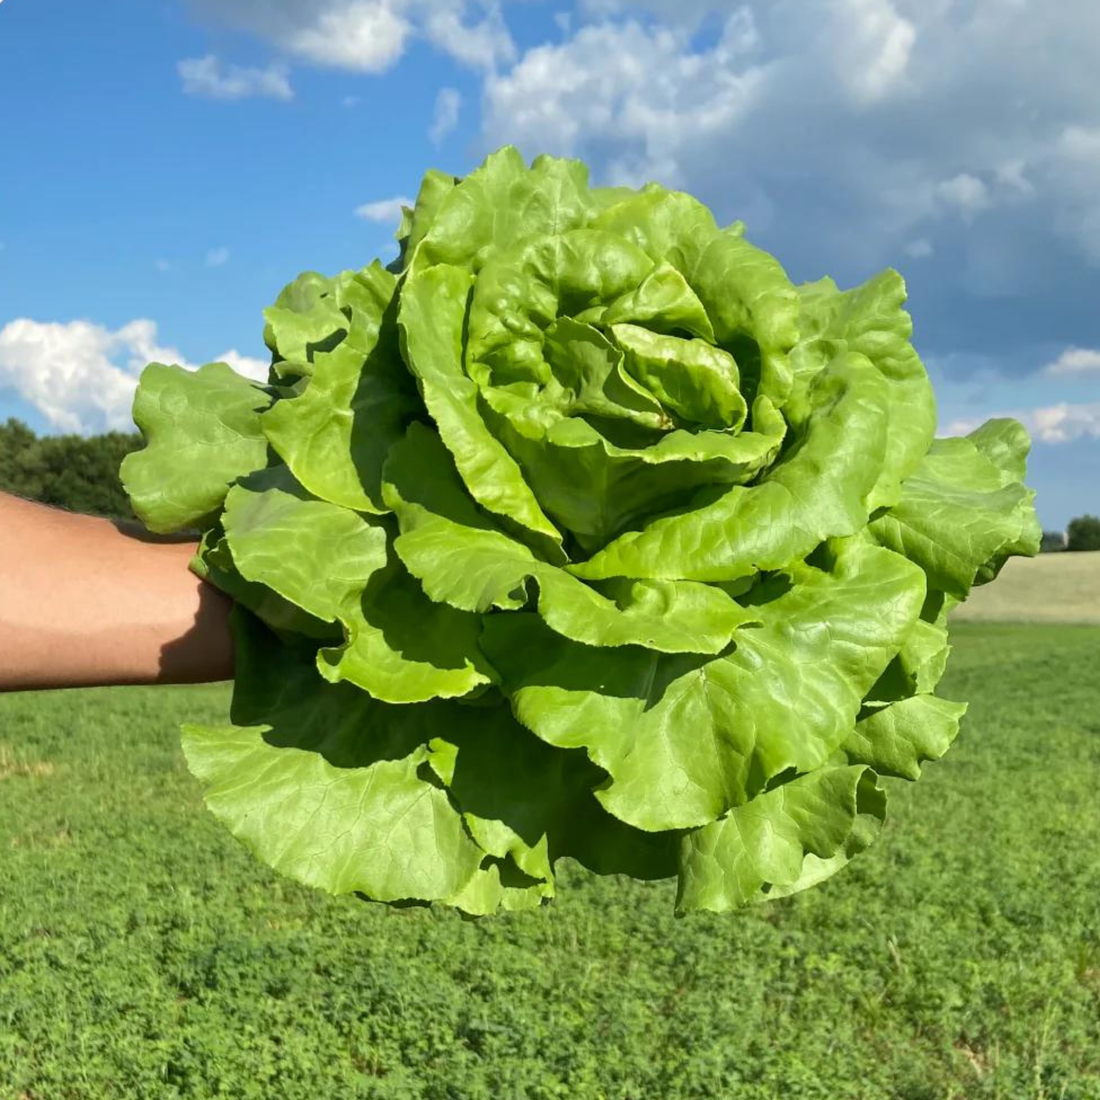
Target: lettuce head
[578, 531]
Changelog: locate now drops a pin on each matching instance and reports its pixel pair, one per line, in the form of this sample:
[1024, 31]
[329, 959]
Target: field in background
[144, 954]
[1052, 588]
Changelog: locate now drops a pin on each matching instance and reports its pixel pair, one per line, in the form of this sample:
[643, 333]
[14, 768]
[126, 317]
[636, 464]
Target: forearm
[84, 603]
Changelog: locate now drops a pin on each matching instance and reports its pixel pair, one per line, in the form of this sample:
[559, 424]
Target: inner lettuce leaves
[578, 531]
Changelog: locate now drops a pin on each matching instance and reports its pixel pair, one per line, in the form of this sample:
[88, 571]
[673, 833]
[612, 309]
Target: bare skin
[88, 602]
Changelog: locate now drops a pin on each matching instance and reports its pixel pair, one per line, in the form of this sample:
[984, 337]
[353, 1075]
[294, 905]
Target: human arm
[87, 601]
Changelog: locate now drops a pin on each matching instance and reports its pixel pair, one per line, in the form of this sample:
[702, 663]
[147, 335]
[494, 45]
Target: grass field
[144, 954]
[1052, 588]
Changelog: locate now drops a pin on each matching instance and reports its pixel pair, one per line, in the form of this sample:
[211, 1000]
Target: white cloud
[367, 36]
[1053, 424]
[685, 13]
[217, 257]
[638, 91]
[1012, 176]
[81, 376]
[873, 44]
[448, 103]
[1075, 363]
[370, 36]
[384, 210]
[206, 76]
[480, 45]
[920, 249]
[163, 266]
[965, 193]
[1065, 423]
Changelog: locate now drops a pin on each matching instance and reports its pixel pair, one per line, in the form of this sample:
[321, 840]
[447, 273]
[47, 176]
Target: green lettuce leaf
[202, 432]
[961, 514]
[684, 738]
[790, 837]
[466, 562]
[816, 491]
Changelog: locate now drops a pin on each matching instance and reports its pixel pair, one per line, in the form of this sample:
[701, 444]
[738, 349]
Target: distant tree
[1053, 541]
[1083, 533]
[76, 472]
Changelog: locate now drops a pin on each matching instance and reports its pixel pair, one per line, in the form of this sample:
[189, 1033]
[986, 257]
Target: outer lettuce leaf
[428, 802]
[922, 659]
[786, 839]
[336, 434]
[685, 738]
[436, 186]
[316, 554]
[500, 203]
[896, 740]
[403, 648]
[325, 783]
[961, 514]
[214, 563]
[870, 320]
[337, 567]
[202, 432]
[306, 318]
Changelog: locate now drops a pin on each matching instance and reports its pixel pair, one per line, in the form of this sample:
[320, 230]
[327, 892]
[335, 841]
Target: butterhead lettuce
[577, 531]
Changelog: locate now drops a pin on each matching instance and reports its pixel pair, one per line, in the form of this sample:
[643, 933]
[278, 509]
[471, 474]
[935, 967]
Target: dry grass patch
[13, 767]
[1052, 588]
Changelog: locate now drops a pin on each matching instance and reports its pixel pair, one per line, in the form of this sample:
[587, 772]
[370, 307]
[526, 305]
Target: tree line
[80, 473]
[75, 472]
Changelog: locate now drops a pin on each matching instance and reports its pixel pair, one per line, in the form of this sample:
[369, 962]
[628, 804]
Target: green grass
[145, 954]
[1052, 588]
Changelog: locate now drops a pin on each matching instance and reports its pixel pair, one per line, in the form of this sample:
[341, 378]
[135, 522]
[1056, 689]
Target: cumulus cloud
[370, 36]
[81, 376]
[208, 77]
[480, 44]
[844, 132]
[384, 210]
[448, 103]
[964, 193]
[873, 43]
[625, 91]
[1064, 422]
[367, 37]
[1075, 363]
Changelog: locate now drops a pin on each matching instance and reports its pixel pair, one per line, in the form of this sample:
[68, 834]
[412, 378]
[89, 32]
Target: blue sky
[169, 165]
